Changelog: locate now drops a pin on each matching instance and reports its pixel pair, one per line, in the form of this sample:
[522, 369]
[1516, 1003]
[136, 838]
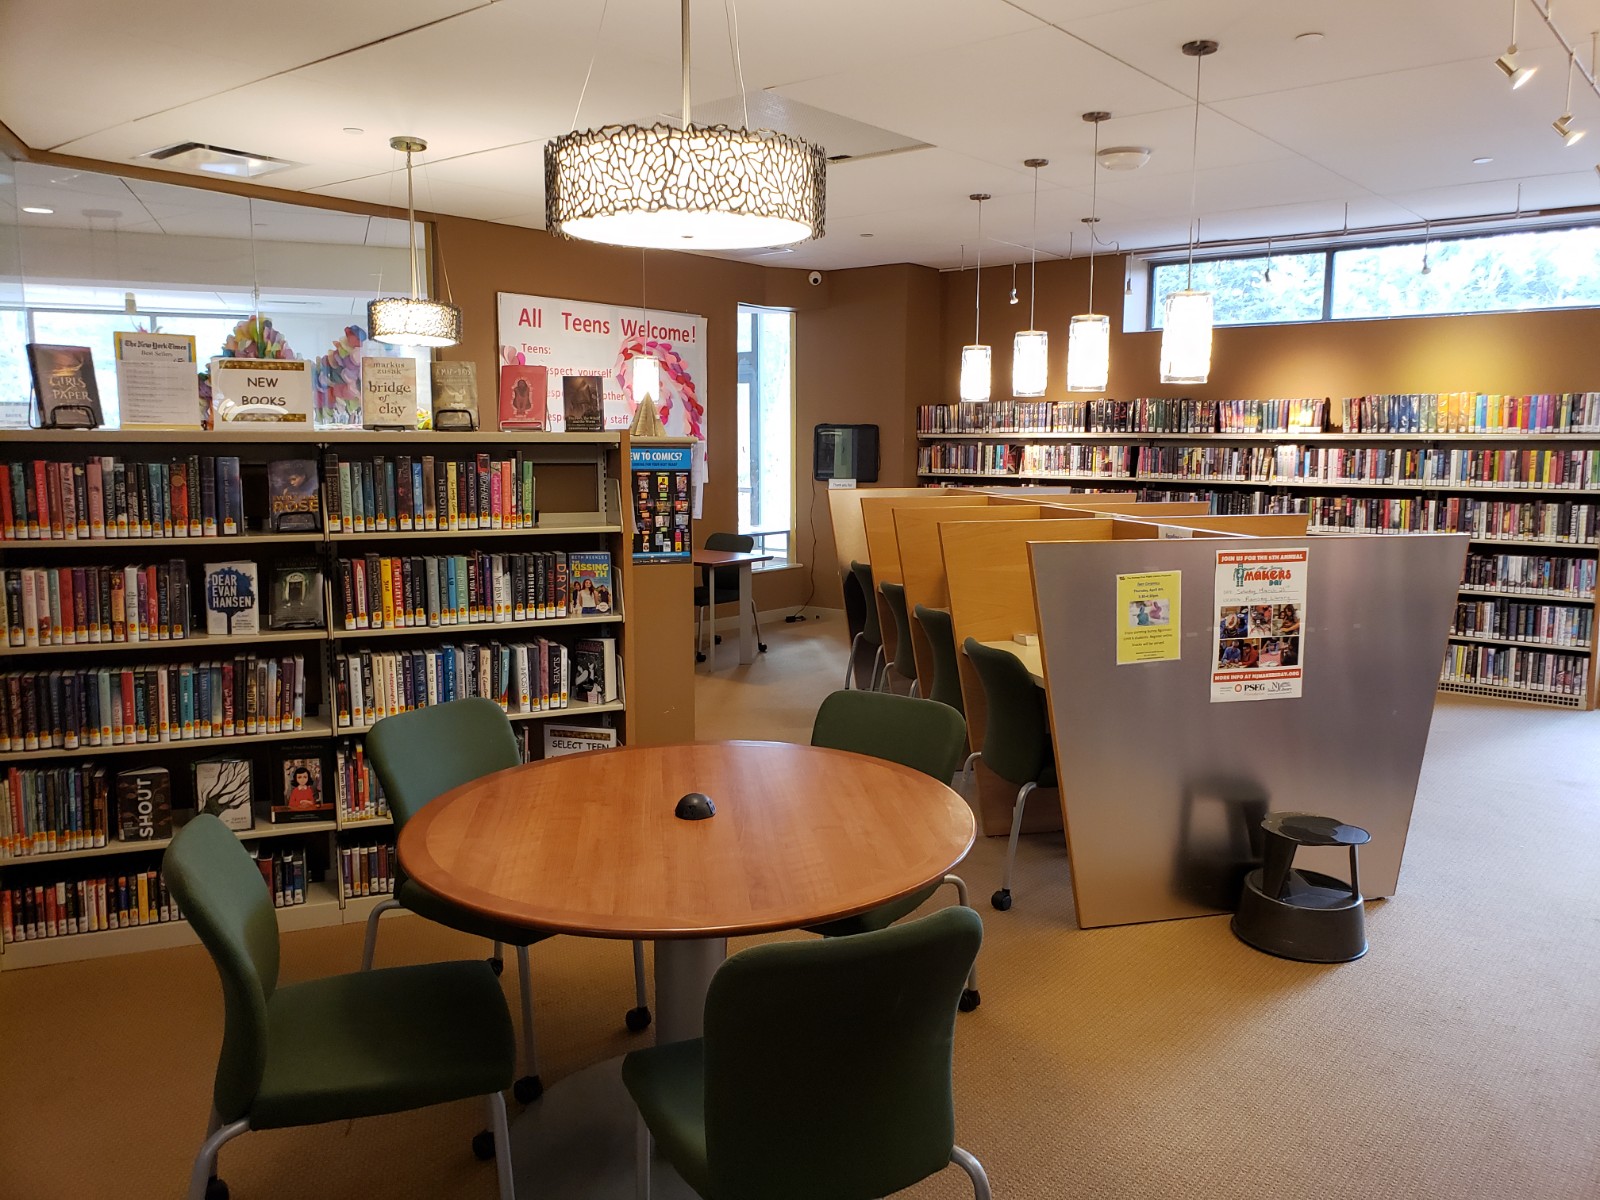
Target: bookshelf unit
[579, 482]
[1529, 498]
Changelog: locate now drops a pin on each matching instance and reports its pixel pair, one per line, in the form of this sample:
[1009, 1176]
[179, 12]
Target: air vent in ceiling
[216, 160]
[840, 138]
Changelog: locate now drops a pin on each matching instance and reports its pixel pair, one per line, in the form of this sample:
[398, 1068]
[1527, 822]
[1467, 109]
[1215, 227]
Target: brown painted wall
[1502, 352]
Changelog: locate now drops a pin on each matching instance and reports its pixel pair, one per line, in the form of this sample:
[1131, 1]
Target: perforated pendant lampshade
[1186, 338]
[1089, 353]
[1030, 363]
[402, 321]
[975, 373]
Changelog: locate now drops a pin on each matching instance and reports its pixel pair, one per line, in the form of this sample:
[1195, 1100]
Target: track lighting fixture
[1508, 62]
[1563, 123]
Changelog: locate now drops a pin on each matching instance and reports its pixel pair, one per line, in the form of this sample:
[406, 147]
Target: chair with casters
[705, 602]
[872, 629]
[945, 687]
[420, 755]
[905, 658]
[855, 619]
[851, 1099]
[919, 734]
[1016, 738]
[332, 1049]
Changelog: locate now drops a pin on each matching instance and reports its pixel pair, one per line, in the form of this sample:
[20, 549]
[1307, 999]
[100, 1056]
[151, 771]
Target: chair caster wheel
[497, 965]
[969, 999]
[1001, 899]
[698, 657]
[763, 647]
[483, 1145]
[638, 1019]
[527, 1089]
[216, 1189]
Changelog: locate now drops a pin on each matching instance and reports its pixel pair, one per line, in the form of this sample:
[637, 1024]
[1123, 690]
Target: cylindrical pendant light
[1089, 334]
[1030, 353]
[413, 321]
[1186, 333]
[975, 367]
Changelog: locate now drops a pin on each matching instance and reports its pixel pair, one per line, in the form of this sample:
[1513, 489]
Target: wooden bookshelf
[1268, 490]
[580, 481]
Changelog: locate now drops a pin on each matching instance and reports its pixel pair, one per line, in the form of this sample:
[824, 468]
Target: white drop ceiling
[1374, 124]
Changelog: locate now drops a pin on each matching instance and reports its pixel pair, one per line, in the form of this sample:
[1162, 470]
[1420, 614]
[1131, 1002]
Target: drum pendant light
[693, 187]
[975, 371]
[1030, 353]
[1186, 334]
[415, 321]
[1089, 335]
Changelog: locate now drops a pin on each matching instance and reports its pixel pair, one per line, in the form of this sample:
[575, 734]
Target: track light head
[1014, 298]
[1512, 70]
[1563, 126]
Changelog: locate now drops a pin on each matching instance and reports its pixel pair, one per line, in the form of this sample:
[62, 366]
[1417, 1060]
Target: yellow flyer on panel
[1148, 626]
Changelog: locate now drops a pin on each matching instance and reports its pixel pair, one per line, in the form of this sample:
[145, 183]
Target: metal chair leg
[638, 1017]
[850, 663]
[880, 670]
[495, 1104]
[528, 1088]
[916, 689]
[967, 770]
[203, 1182]
[755, 619]
[975, 1172]
[1002, 898]
[370, 946]
[970, 998]
[641, 1160]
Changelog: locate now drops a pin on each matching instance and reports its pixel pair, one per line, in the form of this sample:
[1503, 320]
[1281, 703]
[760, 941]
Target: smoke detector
[1124, 158]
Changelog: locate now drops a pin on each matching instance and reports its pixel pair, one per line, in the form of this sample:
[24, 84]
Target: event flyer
[661, 503]
[1148, 617]
[1260, 625]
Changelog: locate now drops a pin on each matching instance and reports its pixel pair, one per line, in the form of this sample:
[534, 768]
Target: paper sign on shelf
[261, 389]
[158, 386]
[1259, 622]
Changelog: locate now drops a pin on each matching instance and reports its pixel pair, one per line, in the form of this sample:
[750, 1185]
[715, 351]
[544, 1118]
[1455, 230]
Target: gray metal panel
[1161, 790]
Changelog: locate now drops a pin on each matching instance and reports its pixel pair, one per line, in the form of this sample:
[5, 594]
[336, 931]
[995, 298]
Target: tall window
[766, 427]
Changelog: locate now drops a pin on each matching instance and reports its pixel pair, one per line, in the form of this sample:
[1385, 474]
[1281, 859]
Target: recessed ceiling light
[1309, 39]
[1124, 158]
[866, 235]
[37, 208]
[352, 130]
[1482, 160]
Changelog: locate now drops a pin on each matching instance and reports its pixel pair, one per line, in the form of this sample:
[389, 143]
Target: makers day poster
[570, 337]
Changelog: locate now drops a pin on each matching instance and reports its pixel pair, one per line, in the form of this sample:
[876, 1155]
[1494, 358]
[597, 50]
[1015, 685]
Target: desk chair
[735, 543]
[1016, 738]
[905, 659]
[825, 1069]
[855, 618]
[945, 686]
[919, 734]
[872, 630]
[419, 756]
[330, 1049]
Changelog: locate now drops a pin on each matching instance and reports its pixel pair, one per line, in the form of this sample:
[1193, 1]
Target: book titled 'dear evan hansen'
[524, 396]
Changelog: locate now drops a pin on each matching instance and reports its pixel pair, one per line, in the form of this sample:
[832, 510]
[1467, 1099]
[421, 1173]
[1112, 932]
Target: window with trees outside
[766, 428]
[1492, 272]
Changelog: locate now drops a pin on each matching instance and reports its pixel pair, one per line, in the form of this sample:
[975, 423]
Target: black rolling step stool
[1303, 915]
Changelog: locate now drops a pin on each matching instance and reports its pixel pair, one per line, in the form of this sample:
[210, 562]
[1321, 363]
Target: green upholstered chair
[727, 593]
[945, 687]
[919, 734]
[329, 1049]
[420, 755]
[905, 659]
[872, 631]
[825, 1069]
[1016, 738]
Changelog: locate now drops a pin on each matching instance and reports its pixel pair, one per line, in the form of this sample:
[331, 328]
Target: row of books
[367, 870]
[283, 869]
[70, 606]
[1009, 458]
[1559, 574]
[522, 677]
[167, 702]
[1471, 412]
[392, 592]
[64, 907]
[109, 497]
[416, 493]
[1228, 464]
[1576, 470]
[1233, 503]
[1562, 521]
[1520, 621]
[358, 796]
[1546, 672]
[53, 809]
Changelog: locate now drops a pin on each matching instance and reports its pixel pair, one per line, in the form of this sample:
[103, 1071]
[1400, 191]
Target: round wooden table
[589, 844]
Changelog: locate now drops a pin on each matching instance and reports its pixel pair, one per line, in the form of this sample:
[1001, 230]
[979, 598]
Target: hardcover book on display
[594, 671]
[302, 795]
[581, 399]
[222, 788]
[295, 601]
[144, 804]
[455, 395]
[66, 391]
[523, 396]
[232, 594]
[589, 576]
[292, 502]
[388, 392]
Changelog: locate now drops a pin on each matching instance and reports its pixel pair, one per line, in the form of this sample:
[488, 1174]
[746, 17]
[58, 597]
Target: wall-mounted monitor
[845, 452]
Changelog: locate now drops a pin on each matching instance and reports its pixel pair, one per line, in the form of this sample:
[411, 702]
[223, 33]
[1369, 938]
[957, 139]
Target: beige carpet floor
[1459, 1059]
